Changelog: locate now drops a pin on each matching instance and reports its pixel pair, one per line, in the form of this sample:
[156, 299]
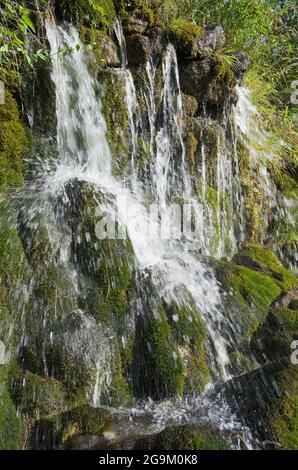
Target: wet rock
[54, 431]
[158, 39]
[109, 51]
[213, 40]
[242, 65]
[138, 50]
[75, 350]
[261, 396]
[193, 41]
[135, 23]
[37, 396]
[190, 107]
[201, 80]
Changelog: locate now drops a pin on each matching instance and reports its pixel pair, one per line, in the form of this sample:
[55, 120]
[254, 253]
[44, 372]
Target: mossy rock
[10, 421]
[104, 49]
[269, 264]
[53, 431]
[190, 334]
[191, 437]
[158, 370]
[37, 396]
[13, 144]
[185, 35]
[240, 363]
[114, 108]
[249, 296]
[267, 400]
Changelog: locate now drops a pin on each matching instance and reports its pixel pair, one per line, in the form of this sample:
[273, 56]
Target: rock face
[109, 51]
[136, 23]
[138, 50]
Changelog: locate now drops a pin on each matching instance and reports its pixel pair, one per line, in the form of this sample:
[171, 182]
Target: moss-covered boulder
[263, 260]
[186, 36]
[54, 431]
[105, 50]
[169, 348]
[36, 396]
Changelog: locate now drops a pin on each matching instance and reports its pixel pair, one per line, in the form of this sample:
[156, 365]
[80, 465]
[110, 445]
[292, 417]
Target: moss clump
[185, 34]
[288, 318]
[158, 369]
[250, 294]
[37, 396]
[191, 437]
[114, 109]
[13, 144]
[254, 288]
[54, 431]
[189, 332]
[10, 422]
[271, 265]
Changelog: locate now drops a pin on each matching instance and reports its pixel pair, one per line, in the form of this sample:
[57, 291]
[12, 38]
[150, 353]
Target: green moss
[283, 276]
[288, 318]
[10, 422]
[13, 144]
[250, 293]
[255, 288]
[37, 396]
[191, 148]
[157, 366]
[94, 39]
[189, 332]
[283, 414]
[115, 111]
[59, 428]
[254, 196]
[186, 33]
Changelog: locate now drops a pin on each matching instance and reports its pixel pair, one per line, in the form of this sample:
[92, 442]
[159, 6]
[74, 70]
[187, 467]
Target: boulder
[201, 80]
[213, 40]
[54, 431]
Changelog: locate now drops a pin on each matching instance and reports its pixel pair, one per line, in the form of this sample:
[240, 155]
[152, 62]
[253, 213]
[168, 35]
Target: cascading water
[130, 95]
[172, 268]
[84, 156]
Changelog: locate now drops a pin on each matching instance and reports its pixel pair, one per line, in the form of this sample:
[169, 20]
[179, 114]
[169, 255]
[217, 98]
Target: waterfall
[172, 266]
[80, 121]
[130, 95]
